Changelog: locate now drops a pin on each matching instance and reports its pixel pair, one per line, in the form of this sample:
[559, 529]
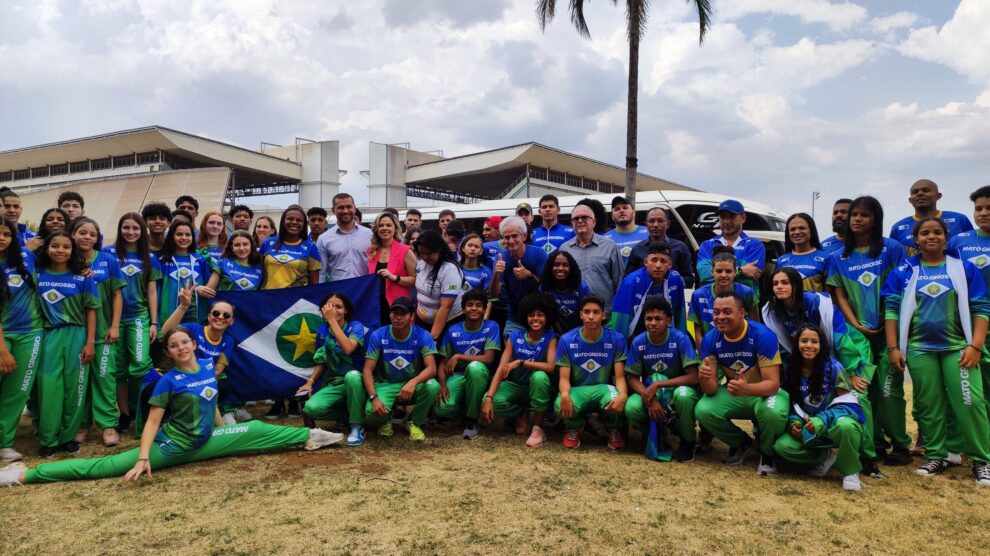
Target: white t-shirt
[449, 283]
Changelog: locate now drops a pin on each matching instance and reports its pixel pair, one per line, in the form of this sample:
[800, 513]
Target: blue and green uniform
[470, 380]
[903, 230]
[935, 325]
[23, 332]
[287, 264]
[701, 308]
[813, 267]
[550, 239]
[342, 387]
[592, 380]
[188, 433]
[134, 351]
[176, 271]
[837, 425]
[748, 250]
[625, 241]
[65, 299]
[102, 399]
[212, 253]
[478, 278]
[664, 360]
[567, 301]
[862, 278]
[974, 246]
[235, 276]
[525, 388]
[636, 288]
[396, 362]
[743, 357]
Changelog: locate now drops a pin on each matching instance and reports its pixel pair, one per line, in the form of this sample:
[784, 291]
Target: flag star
[304, 340]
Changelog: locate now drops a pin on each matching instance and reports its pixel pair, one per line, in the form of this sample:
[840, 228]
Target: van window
[703, 221]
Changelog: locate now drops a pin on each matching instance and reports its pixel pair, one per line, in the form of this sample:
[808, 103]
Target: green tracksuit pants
[333, 402]
[682, 398]
[466, 391]
[62, 385]
[512, 398]
[133, 349]
[16, 386]
[887, 399]
[941, 387]
[591, 399]
[101, 399]
[716, 413]
[424, 397]
[846, 435]
[253, 436]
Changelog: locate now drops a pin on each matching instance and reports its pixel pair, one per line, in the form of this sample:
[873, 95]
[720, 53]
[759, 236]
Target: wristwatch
[372, 397]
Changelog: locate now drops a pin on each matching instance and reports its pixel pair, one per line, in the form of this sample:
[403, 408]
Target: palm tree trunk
[632, 104]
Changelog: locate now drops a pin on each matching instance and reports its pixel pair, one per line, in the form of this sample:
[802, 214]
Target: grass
[493, 494]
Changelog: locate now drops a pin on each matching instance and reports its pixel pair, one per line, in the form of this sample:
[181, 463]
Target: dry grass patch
[493, 494]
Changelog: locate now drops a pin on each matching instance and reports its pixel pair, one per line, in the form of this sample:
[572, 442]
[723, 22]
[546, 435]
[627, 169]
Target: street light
[814, 196]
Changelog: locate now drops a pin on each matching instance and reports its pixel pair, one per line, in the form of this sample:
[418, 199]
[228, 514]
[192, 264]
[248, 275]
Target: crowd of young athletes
[544, 325]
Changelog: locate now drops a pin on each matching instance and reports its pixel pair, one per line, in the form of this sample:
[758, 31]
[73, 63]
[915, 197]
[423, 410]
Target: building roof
[490, 171]
[249, 166]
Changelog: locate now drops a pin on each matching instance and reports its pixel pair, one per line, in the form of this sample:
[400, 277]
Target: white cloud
[899, 20]
[960, 44]
[837, 16]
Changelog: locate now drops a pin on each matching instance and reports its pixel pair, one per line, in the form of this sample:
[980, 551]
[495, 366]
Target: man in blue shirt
[740, 376]
[924, 198]
[750, 253]
[655, 280]
[657, 223]
[550, 234]
[840, 216]
[626, 233]
[517, 269]
[400, 365]
[591, 363]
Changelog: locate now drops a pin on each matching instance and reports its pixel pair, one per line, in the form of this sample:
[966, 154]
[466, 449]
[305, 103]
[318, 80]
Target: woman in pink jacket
[394, 261]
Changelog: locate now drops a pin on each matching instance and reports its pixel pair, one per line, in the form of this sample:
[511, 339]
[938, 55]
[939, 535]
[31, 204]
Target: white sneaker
[9, 454]
[319, 438]
[767, 466]
[822, 468]
[243, 415]
[228, 419]
[10, 476]
[954, 459]
[851, 483]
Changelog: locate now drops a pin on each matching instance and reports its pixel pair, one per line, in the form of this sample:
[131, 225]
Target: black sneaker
[872, 470]
[70, 447]
[981, 473]
[275, 412]
[898, 456]
[685, 452]
[124, 423]
[294, 412]
[932, 467]
[738, 455]
[767, 466]
[46, 452]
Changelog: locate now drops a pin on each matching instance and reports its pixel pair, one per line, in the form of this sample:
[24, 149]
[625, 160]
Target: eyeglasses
[217, 314]
[581, 218]
[180, 343]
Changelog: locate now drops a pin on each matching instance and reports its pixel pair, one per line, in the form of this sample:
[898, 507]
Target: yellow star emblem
[304, 340]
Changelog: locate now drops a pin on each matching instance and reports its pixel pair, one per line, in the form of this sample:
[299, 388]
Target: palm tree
[636, 16]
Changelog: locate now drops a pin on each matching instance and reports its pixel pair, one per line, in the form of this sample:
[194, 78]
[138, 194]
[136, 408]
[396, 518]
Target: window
[148, 158]
[39, 172]
[123, 161]
[76, 167]
[60, 170]
[101, 164]
[6, 176]
[22, 174]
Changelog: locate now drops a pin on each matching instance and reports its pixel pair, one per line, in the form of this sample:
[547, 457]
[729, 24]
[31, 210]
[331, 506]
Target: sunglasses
[218, 314]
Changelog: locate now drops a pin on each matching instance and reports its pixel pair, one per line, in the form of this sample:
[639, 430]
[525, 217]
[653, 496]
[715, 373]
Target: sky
[783, 98]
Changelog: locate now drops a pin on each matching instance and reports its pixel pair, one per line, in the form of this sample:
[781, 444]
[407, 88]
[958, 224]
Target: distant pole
[814, 196]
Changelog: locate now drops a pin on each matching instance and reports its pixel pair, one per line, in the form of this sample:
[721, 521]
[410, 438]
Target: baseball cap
[524, 206]
[493, 221]
[402, 305]
[620, 200]
[730, 205]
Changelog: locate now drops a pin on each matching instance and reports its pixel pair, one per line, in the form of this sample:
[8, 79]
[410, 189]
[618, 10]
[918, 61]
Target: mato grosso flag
[274, 332]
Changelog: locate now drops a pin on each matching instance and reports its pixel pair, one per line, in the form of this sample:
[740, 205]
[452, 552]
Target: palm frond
[704, 18]
[545, 10]
[640, 7]
[577, 18]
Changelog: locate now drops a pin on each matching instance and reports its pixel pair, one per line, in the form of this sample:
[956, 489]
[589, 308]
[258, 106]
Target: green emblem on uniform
[283, 258]
[591, 366]
[52, 296]
[244, 283]
[399, 363]
[933, 289]
[296, 339]
[15, 281]
[659, 367]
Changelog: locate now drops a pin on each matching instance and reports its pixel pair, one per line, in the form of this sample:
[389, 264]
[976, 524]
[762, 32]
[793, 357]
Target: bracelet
[976, 348]
[486, 396]
[142, 459]
[153, 324]
[397, 278]
[893, 349]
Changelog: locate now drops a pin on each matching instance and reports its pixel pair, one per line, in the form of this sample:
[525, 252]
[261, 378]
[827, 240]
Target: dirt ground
[491, 495]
